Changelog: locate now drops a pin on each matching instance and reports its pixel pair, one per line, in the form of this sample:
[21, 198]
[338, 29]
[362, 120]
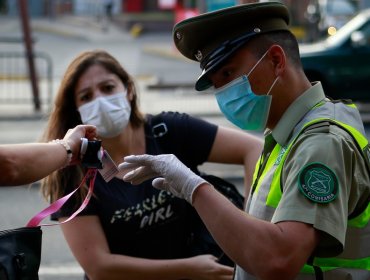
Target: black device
[91, 153]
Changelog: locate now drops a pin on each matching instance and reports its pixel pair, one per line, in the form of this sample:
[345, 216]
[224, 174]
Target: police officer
[307, 215]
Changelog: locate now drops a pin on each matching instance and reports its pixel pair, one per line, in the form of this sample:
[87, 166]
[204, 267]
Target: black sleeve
[189, 138]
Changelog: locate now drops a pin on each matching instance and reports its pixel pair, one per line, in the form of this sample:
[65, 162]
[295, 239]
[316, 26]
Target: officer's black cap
[213, 37]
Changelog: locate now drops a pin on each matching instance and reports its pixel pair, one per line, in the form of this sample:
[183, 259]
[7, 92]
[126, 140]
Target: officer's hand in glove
[173, 175]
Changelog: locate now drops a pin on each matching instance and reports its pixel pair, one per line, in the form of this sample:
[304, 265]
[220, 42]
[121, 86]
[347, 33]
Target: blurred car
[342, 61]
[334, 14]
[325, 17]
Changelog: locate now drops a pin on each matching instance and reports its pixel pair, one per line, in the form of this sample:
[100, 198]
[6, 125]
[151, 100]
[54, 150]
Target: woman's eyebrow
[82, 91]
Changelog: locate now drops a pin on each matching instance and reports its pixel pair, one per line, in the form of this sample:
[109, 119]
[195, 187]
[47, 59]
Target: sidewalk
[84, 27]
[92, 31]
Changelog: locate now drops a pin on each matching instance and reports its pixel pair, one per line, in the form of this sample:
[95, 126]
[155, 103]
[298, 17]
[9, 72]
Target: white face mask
[110, 114]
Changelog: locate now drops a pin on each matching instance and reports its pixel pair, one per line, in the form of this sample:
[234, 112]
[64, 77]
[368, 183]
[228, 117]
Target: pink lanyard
[56, 205]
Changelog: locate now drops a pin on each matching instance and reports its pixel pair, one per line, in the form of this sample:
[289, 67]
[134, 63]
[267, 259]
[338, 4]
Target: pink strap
[56, 205]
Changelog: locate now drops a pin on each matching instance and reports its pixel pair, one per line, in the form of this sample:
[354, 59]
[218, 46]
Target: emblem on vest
[318, 183]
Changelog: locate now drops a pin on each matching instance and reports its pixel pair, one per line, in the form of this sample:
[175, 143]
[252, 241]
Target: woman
[134, 232]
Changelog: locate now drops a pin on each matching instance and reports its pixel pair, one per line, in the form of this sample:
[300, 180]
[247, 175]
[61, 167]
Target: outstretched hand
[173, 175]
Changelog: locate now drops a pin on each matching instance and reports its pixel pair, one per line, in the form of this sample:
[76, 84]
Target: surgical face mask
[241, 106]
[110, 114]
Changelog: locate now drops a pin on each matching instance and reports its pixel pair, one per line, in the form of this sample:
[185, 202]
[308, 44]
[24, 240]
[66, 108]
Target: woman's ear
[278, 58]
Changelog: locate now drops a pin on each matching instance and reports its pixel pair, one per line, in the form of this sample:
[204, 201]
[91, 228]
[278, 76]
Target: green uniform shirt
[332, 147]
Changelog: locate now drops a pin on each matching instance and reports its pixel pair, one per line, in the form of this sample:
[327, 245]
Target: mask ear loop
[258, 62]
[268, 93]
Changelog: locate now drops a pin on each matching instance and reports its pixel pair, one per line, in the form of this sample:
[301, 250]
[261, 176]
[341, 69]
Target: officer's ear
[278, 58]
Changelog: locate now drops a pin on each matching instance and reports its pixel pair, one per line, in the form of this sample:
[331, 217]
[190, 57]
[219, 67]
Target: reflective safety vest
[267, 192]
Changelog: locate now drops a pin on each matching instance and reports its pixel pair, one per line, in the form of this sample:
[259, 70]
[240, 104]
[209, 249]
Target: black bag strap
[160, 131]
[318, 271]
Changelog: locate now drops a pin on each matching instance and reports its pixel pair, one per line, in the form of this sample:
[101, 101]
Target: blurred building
[90, 7]
[309, 18]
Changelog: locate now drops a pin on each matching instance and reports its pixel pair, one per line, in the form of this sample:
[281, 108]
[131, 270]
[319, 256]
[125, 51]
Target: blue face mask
[241, 106]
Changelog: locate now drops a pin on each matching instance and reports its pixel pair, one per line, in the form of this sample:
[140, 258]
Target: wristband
[67, 147]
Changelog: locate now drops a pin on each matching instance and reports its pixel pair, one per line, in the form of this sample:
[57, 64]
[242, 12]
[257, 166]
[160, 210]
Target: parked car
[334, 14]
[325, 17]
[342, 61]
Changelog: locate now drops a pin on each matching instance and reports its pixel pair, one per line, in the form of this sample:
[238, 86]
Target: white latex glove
[175, 177]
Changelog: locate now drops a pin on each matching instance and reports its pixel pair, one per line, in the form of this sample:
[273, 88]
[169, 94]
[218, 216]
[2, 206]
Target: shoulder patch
[318, 183]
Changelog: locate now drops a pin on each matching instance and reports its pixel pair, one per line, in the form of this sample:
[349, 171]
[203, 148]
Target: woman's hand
[206, 267]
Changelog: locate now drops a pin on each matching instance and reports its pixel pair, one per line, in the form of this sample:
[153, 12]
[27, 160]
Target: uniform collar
[296, 111]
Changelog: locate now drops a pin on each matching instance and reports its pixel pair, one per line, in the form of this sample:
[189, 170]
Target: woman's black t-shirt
[140, 220]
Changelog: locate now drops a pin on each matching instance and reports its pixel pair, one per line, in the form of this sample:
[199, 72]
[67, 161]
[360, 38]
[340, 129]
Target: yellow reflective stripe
[362, 220]
[319, 104]
[274, 196]
[352, 105]
[269, 164]
[361, 139]
[256, 169]
[363, 263]
[275, 193]
[308, 269]
[327, 264]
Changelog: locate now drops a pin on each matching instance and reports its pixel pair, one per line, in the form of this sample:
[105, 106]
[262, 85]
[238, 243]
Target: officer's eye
[226, 73]
[223, 76]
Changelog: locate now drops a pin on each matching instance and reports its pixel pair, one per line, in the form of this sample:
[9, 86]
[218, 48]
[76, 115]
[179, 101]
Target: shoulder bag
[20, 248]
